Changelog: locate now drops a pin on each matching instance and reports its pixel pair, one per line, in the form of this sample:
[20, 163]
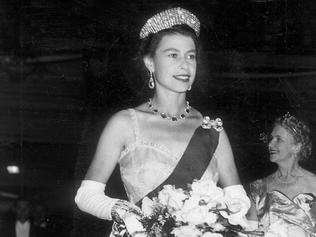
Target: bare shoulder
[119, 123]
[311, 177]
[121, 118]
[309, 180]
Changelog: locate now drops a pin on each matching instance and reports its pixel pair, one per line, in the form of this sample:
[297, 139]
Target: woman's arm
[111, 142]
[228, 174]
[235, 195]
[90, 196]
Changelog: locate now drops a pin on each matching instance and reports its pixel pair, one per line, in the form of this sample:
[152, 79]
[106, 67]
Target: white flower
[192, 202]
[210, 234]
[147, 206]
[211, 218]
[208, 191]
[218, 227]
[172, 197]
[195, 216]
[133, 224]
[194, 213]
[184, 213]
[186, 231]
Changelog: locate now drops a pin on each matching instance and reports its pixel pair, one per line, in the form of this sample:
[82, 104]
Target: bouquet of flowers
[199, 211]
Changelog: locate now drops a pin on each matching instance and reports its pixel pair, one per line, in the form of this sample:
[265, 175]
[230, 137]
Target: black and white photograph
[165, 118]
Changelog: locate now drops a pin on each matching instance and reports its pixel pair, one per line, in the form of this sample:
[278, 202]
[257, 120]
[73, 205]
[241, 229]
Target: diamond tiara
[293, 124]
[169, 18]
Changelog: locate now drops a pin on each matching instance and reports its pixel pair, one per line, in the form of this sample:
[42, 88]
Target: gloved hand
[238, 204]
[236, 199]
[128, 215]
[121, 209]
[90, 198]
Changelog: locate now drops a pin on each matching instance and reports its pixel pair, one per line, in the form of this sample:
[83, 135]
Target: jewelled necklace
[284, 186]
[173, 118]
[285, 182]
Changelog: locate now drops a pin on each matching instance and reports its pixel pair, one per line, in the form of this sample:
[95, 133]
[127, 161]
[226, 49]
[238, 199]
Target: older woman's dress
[281, 216]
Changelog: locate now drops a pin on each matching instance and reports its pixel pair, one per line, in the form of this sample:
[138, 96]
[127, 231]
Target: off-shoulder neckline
[294, 197]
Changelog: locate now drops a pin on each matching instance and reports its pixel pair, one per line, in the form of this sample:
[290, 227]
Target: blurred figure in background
[20, 222]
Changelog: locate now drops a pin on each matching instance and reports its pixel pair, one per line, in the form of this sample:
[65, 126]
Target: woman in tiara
[164, 140]
[284, 202]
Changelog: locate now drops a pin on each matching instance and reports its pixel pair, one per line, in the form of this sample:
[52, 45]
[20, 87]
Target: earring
[189, 87]
[151, 83]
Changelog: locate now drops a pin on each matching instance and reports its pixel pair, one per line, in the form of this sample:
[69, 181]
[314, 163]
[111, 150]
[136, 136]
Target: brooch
[217, 124]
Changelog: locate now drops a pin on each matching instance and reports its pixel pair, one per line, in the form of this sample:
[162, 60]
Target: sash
[193, 162]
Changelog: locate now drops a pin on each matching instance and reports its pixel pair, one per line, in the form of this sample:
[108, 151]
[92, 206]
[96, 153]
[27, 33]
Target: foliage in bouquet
[199, 211]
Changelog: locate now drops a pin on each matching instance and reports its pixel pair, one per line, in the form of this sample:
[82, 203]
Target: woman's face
[281, 146]
[174, 63]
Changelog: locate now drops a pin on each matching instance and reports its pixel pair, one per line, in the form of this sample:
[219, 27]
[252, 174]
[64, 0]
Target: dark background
[66, 66]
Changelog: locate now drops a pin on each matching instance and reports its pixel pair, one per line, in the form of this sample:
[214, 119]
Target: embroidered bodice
[144, 164]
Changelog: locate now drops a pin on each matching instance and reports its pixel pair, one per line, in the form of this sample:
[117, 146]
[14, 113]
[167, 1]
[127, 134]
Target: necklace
[167, 116]
[285, 186]
[290, 187]
[293, 178]
[285, 182]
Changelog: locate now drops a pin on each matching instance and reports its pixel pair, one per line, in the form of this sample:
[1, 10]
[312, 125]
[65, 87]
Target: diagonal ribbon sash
[193, 162]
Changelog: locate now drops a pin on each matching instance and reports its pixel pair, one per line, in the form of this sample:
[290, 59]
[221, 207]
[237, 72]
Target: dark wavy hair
[300, 132]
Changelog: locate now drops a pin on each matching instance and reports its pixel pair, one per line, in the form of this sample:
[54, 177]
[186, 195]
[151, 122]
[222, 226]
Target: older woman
[284, 202]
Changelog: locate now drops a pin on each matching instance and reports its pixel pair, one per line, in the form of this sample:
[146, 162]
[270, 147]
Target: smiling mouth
[184, 78]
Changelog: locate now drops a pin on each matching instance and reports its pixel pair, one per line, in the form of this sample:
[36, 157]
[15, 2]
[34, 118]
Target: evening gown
[146, 166]
[281, 216]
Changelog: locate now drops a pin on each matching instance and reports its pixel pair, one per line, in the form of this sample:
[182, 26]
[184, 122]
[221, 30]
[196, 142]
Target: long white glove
[238, 203]
[90, 198]
[236, 199]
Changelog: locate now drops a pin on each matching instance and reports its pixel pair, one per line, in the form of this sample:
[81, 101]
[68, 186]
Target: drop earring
[151, 83]
[189, 88]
